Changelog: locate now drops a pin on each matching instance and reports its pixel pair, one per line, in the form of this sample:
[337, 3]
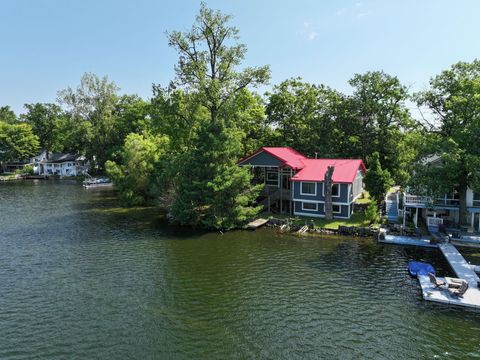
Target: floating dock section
[459, 265]
[406, 240]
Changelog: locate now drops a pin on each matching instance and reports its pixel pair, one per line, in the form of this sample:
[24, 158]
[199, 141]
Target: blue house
[295, 184]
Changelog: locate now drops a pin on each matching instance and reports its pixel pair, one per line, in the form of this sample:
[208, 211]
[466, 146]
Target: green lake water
[83, 278]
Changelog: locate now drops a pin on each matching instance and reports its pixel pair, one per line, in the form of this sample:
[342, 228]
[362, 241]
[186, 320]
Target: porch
[276, 196]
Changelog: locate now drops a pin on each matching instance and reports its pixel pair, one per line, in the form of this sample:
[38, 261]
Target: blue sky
[46, 45]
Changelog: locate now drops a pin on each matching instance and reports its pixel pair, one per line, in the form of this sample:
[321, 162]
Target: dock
[256, 224]
[459, 265]
[463, 270]
[407, 240]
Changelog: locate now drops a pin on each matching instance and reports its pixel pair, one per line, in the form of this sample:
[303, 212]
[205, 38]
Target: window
[309, 206]
[335, 190]
[271, 177]
[308, 188]
[476, 199]
[336, 209]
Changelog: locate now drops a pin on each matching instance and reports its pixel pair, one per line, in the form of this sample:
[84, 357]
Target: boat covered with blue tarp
[416, 268]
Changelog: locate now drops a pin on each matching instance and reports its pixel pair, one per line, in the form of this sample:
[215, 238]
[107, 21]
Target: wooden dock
[256, 224]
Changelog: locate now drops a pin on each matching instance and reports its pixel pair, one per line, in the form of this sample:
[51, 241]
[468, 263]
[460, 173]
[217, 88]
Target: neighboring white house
[59, 164]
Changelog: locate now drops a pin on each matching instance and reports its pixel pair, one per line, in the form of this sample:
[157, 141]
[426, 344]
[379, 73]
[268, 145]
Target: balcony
[427, 201]
[414, 200]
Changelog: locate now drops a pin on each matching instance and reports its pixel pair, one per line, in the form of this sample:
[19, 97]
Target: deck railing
[426, 200]
[416, 200]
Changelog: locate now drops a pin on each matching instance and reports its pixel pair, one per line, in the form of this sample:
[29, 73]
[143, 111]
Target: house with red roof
[295, 184]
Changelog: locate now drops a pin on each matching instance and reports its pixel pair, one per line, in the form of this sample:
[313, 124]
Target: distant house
[295, 183]
[59, 164]
[21, 164]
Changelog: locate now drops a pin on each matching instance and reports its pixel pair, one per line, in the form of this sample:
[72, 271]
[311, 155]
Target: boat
[416, 268]
[97, 182]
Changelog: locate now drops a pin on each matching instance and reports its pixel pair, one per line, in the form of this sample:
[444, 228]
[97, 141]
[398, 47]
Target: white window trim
[323, 202]
[266, 176]
[339, 209]
[333, 196]
[308, 182]
[309, 202]
[299, 213]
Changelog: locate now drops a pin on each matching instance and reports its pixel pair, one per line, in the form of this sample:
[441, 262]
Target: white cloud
[309, 30]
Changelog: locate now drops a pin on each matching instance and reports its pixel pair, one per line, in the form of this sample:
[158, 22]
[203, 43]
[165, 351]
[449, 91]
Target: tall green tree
[91, 107]
[7, 115]
[209, 57]
[17, 142]
[379, 119]
[377, 180]
[454, 126]
[212, 191]
[246, 112]
[306, 117]
[177, 114]
[135, 175]
[48, 123]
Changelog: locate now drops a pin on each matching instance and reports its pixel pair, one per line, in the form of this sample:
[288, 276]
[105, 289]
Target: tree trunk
[328, 193]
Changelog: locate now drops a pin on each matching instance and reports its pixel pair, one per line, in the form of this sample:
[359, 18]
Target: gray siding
[262, 159]
[344, 195]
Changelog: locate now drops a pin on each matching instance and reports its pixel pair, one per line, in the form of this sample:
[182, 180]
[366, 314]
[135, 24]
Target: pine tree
[377, 180]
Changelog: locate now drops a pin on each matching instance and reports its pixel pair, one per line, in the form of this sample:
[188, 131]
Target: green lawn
[364, 198]
[357, 219]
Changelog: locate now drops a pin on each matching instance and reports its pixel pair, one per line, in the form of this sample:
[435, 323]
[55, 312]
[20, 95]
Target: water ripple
[81, 279]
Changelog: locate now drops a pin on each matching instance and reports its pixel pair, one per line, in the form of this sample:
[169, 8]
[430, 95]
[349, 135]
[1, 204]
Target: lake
[83, 278]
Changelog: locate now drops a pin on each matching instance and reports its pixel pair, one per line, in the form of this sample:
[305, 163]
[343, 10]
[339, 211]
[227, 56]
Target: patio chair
[436, 282]
[460, 290]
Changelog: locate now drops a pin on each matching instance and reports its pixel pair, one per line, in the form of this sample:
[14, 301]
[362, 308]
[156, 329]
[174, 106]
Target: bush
[372, 213]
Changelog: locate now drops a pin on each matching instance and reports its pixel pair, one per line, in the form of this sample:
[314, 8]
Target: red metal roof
[288, 156]
[314, 170]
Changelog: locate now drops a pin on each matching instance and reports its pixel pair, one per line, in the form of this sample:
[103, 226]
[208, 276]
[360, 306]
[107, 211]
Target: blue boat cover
[420, 268]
